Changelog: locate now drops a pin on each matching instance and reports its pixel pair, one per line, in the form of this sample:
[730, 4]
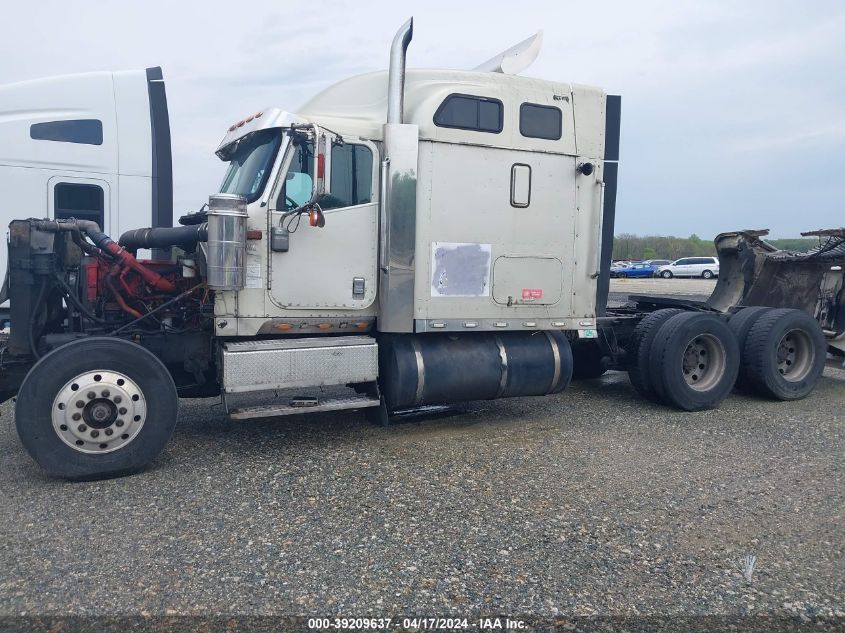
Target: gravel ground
[592, 501]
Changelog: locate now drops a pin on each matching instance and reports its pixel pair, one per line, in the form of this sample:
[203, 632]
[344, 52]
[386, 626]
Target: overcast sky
[733, 113]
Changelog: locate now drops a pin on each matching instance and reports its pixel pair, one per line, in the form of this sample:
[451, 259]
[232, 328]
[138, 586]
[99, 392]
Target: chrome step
[249, 366]
[327, 404]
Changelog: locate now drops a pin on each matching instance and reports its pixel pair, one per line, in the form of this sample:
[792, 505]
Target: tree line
[630, 246]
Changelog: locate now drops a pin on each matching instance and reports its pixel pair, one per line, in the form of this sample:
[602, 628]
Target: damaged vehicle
[406, 239]
[755, 273]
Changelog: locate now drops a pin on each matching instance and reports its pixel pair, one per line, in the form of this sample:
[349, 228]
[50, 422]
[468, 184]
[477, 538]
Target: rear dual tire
[740, 324]
[639, 348]
[694, 361]
[686, 359]
[783, 353]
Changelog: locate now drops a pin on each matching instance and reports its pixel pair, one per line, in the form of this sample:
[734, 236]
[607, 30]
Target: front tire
[96, 408]
[666, 274]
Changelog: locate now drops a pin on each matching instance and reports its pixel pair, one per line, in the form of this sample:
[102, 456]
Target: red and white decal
[532, 293]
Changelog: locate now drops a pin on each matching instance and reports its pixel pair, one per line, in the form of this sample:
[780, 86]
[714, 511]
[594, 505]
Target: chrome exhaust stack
[398, 199]
[396, 72]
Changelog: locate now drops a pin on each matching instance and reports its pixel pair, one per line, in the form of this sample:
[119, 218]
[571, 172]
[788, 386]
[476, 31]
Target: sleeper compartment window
[82, 131]
[539, 121]
[468, 112]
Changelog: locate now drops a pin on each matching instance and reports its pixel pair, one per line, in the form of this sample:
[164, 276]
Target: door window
[351, 177]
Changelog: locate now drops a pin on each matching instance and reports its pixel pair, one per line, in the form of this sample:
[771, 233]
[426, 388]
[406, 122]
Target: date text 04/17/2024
[416, 624]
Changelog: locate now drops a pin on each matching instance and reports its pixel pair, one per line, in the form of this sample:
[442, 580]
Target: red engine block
[115, 286]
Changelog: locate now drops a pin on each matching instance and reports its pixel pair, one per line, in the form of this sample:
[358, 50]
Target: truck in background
[93, 146]
[405, 239]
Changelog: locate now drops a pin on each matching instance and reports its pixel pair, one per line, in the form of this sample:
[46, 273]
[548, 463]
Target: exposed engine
[71, 280]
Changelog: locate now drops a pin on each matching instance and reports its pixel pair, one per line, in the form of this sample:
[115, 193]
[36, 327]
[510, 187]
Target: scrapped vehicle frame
[755, 273]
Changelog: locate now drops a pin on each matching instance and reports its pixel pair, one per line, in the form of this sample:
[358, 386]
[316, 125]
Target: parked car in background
[616, 267]
[658, 262]
[634, 270]
[704, 267]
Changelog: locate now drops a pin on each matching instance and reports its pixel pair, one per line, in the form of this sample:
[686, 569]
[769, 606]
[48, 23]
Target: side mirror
[320, 162]
[315, 149]
[321, 166]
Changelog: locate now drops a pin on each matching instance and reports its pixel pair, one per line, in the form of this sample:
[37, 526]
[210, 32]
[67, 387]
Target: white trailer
[405, 239]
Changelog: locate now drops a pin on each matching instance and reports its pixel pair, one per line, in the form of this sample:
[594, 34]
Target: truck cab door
[334, 266]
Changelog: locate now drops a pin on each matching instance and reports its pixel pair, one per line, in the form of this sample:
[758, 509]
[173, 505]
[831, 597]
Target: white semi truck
[405, 239]
[91, 146]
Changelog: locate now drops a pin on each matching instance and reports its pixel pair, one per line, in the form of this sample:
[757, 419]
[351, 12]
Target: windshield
[251, 162]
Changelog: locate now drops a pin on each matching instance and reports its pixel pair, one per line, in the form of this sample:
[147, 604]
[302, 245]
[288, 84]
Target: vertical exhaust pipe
[396, 74]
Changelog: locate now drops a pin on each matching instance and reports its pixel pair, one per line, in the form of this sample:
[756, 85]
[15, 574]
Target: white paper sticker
[253, 275]
[460, 269]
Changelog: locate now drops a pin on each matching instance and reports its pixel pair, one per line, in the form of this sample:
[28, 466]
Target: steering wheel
[291, 202]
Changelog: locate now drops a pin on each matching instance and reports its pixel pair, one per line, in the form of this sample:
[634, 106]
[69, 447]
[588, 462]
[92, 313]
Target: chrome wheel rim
[795, 355]
[704, 362]
[99, 412]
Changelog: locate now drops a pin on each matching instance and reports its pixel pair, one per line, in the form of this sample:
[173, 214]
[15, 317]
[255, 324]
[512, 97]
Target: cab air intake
[227, 219]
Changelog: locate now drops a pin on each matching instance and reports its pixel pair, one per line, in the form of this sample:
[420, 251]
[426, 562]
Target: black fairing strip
[613, 117]
[162, 182]
[612, 124]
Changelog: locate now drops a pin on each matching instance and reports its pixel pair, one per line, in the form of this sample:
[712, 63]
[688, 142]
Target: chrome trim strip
[556, 354]
[383, 262]
[494, 325]
[503, 355]
[420, 371]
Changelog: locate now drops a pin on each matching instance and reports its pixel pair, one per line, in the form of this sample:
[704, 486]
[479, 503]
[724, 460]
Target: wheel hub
[99, 411]
[703, 362]
[795, 355]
